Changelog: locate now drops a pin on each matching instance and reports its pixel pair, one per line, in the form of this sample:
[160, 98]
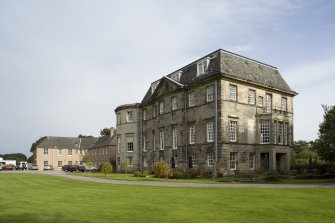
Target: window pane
[268, 103]
[210, 94]
[161, 107]
[251, 97]
[144, 144]
[210, 159]
[130, 144]
[210, 132]
[232, 163]
[232, 92]
[118, 144]
[191, 99]
[161, 139]
[283, 104]
[232, 131]
[174, 138]
[201, 67]
[130, 161]
[174, 103]
[192, 134]
[265, 132]
[129, 116]
[260, 101]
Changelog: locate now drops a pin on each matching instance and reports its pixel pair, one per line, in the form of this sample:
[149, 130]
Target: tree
[86, 158]
[14, 156]
[325, 144]
[304, 153]
[106, 168]
[105, 132]
[300, 146]
[84, 136]
[31, 159]
[35, 144]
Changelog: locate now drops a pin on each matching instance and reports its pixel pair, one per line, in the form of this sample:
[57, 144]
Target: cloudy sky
[65, 65]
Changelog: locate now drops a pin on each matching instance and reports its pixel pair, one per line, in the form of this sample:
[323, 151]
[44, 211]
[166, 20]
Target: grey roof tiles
[233, 66]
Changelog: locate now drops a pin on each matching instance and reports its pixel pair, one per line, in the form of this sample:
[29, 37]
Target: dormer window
[154, 86]
[202, 66]
[176, 76]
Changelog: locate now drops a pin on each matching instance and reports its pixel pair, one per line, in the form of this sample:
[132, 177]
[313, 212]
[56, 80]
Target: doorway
[264, 162]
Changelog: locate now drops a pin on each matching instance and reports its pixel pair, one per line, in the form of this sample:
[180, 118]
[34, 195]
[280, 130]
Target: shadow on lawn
[42, 218]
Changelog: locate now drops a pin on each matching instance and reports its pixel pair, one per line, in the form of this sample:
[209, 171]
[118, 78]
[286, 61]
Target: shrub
[193, 174]
[178, 174]
[208, 174]
[161, 169]
[106, 168]
[137, 173]
[147, 173]
[271, 176]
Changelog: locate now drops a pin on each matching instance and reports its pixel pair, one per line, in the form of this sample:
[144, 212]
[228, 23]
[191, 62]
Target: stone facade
[103, 151]
[223, 113]
[127, 138]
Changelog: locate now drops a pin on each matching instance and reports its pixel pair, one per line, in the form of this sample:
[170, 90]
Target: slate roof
[231, 65]
[67, 142]
[105, 141]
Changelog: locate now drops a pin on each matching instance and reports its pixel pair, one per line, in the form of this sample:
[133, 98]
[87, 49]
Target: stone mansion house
[224, 113]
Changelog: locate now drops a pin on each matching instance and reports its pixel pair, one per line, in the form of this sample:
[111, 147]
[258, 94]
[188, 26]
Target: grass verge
[131, 177]
[40, 198]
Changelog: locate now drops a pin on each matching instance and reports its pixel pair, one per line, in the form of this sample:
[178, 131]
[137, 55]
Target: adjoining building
[223, 113]
[103, 151]
[7, 162]
[59, 151]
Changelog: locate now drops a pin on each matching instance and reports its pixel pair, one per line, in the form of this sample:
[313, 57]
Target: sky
[65, 65]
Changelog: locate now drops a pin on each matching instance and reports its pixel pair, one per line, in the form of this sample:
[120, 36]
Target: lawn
[40, 198]
[131, 177]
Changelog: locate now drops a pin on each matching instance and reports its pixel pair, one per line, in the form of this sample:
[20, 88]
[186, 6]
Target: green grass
[131, 177]
[40, 198]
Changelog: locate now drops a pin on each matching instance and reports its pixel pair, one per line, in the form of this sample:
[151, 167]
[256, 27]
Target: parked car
[81, 168]
[48, 167]
[34, 167]
[21, 166]
[8, 167]
[65, 167]
[90, 169]
[0, 167]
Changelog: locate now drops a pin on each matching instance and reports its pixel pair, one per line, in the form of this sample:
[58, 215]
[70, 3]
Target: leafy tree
[304, 153]
[325, 144]
[86, 158]
[14, 156]
[106, 168]
[300, 146]
[85, 136]
[105, 132]
[31, 159]
[35, 144]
